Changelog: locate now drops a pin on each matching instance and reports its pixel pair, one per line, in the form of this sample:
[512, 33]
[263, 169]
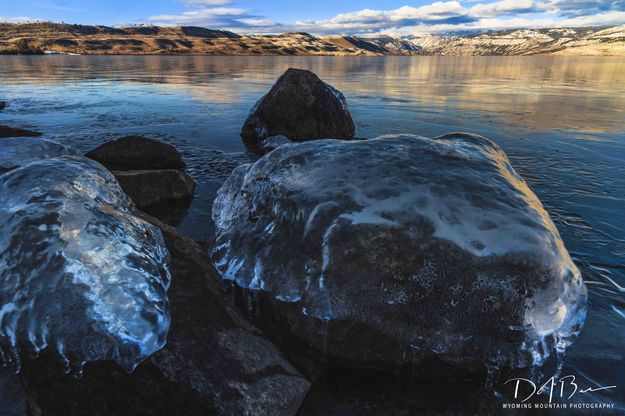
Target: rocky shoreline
[339, 263]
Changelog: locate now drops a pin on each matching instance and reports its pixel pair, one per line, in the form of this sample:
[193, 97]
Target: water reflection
[577, 93]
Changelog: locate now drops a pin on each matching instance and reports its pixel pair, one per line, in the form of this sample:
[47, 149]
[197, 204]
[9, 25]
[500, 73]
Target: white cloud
[208, 3]
[217, 16]
[438, 16]
[505, 7]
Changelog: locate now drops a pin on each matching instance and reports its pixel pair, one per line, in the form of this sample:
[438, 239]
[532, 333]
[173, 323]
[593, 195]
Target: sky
[324, 17]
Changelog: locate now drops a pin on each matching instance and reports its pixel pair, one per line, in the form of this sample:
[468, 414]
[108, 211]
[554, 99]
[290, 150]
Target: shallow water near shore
[561, 121]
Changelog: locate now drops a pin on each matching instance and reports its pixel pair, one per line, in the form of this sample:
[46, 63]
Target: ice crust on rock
[79, 273]
[19, 151]
[434, 245]
[273, 142]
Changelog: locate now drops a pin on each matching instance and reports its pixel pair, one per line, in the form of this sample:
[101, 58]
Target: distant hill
[557, 41]
[153, 40]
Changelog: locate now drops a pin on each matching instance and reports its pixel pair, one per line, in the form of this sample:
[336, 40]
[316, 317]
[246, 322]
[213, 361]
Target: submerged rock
[215, 361]
[301, 107]
[79, 273]
[431, 247]
[151, 187]
[3, 105]
[137, 153]
[6, 131]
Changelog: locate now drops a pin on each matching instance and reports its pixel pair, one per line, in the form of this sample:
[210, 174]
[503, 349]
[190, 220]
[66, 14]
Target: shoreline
[37, 38]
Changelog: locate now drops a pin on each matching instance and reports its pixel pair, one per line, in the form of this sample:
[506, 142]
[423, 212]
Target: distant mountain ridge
[154, 40]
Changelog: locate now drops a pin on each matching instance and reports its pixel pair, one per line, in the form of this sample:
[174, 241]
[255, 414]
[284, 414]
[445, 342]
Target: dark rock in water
[151, 187]
[137, 153]
[149, 171]
[6, 131]
[215, 361]
[3, 105]
[434, 247]
[301, 107]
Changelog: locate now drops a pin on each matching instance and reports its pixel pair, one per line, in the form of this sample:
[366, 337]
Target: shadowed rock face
[215, 361]
[301, 107]
[432, 247]
[151, 187]
[137, 153]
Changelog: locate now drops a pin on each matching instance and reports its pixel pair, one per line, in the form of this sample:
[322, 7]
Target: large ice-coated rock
[79, 273]
[399, 248]
[216, 362]
[301, 107]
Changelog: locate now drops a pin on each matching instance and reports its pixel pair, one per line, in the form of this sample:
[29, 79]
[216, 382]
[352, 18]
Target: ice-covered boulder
[16, 152]
[393, 249]
[301, 107]
[79, 273]
[216, 362]
[273, 142]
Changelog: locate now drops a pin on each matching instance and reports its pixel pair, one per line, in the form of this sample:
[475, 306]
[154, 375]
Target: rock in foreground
[79, 273]
[431, 247]
[215, 361]
[6, 131]
[137, 153]
[301, 107]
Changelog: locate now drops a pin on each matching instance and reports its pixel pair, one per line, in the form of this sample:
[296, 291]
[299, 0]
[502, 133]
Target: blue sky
[324, 16]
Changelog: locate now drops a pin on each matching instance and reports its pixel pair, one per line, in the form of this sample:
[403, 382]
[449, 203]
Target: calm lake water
[561, 120]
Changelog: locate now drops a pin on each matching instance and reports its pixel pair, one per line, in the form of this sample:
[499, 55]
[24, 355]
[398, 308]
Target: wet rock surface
[151, 187]
[215, 361]
[150, 172]
[137, 153]
[434, 247]
[6, 131]
[301, 107]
